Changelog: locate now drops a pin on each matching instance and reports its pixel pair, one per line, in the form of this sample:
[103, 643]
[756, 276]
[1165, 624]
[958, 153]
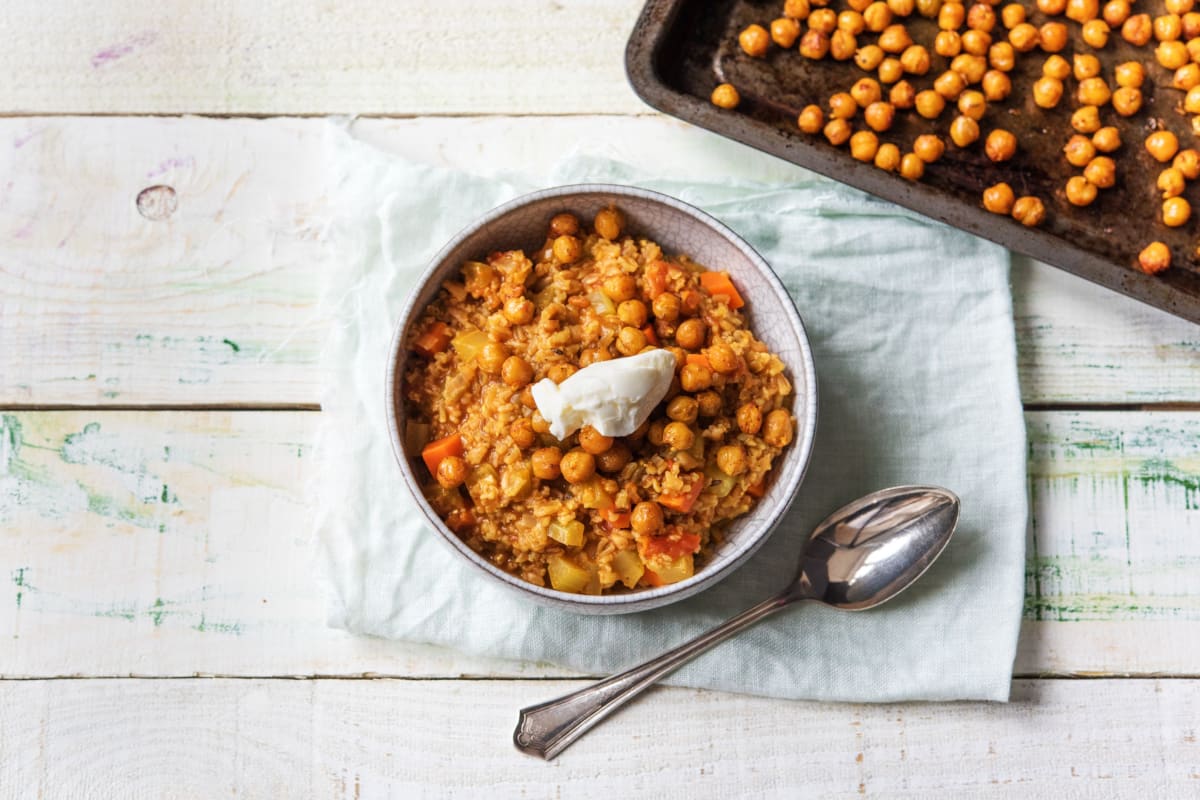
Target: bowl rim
[646, 598]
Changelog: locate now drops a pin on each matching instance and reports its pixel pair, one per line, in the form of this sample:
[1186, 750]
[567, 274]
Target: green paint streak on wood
[204, 626]
[22, 584]
[128, 615]
[156, 611]
[233, 345]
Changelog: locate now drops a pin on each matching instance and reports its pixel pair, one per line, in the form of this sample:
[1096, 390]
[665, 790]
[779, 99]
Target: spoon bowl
[862, 555]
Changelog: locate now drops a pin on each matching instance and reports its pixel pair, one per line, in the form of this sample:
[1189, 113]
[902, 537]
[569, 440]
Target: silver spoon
[864, 554]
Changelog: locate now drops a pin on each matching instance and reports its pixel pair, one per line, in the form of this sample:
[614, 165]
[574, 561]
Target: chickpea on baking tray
[966, 63]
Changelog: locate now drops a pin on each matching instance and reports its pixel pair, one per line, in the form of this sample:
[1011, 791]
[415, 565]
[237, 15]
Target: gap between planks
[1190, 407]
[202, 676]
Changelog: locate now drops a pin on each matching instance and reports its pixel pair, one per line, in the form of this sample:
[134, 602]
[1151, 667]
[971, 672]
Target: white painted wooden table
[159, 382]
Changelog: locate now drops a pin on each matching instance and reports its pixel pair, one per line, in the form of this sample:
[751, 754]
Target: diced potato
[566, 575]
[601, 302]
[570, 533]
[468, 344]
[676, 571]
[478, 277]
[722, 484]
[629, 567]
[516, 481]
[592, 495]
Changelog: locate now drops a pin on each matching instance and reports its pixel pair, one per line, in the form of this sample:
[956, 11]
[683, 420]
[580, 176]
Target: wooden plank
[217, 303]
[175, 543]
[386, 738]
[353, 57]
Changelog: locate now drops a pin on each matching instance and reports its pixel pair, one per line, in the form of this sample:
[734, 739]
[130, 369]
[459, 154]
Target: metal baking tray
[681, 49]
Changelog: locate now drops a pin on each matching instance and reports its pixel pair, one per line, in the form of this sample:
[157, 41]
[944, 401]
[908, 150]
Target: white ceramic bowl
[678, 228]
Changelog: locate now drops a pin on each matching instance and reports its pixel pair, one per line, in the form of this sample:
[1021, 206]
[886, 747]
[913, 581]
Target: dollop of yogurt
[614, 397]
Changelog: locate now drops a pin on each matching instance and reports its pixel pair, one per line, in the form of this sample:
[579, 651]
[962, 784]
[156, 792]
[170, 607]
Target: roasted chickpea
[951, 16]
[491, 357]
[999, 199]
[1024, 37]
[666, 306]
[614, 459]
[902, 8]
[1154, 258]
[981, 17]
[620, 288]
[646, 518]
[1101, 171]
[691, 334]
[567, 249]
[516, 372]
[976, 43]
[1175, 212]
[879, 116]
[1178, 6]
[608, 223]
[1186, 77]
[1001, 145]
[1093, 92]
[592, 441]
[1196, 132]
[754, 40]
[678, 436]
[725, 96]
[1052, 8]
[722, 358]
[1170, 182]
[851, 22]
[521, 433]
[785, 31]
[731, 459]
[1126, 101]
[1002, 56]
[633, 312]
[1029, 211]
[964, 131]
[929, 8]
[797, 9]
[695, 377]
[814, 45]
[777, 428]
[1079, 151]
[1080, 191]
[1115, 12]
[1012, 15]
[1095, 33]
[947, 43]
[902, 95]
[842, 106]
[1137, 29]
[996, 85]
[837, 131]
[811, 119]
[1056, 66]
[709, 404]
[1106, 139]
[823, 20]
[749, 418]
[1188, 163]
[972, 104]
[929, 104]
[560, 372]
[1086, 119]
[538, 422]
[1047, 92]
[1053, 37]
[683, 409]
[1191, 25]
[1086, 66]
[518, 310]
[451, 472]
[1131, 74]
[877, 16]
[895, 39]
[1162, 145]
[890, 70]
[970, 67]
[869, 57]
[630, 341]
[842, 45]
[1168, 27]
[564, 225]
[887, 157]
[577, 466]
[915, 59]
[928, 147]
[1171, 54]
[655, 432]
[866, 91]
[949, 85]
[545, 463]
[1083, 12]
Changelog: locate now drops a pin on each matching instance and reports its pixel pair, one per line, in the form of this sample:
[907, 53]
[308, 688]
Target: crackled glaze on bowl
[678, 228]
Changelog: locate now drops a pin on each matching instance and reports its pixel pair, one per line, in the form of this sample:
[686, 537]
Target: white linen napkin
[911, 325]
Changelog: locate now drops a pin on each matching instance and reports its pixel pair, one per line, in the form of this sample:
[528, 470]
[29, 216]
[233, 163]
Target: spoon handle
[549, 728]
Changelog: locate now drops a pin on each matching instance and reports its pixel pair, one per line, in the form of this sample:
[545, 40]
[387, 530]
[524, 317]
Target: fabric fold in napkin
[911, 325]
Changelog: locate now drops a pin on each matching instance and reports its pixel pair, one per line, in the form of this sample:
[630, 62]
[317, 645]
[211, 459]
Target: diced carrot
[758, 489]
[434, 340]
[651, 336]
[698, 358]
[434, 452]
[689, 302]
[718, 283]
[673, 546]
[684, 501]
[656, 278]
